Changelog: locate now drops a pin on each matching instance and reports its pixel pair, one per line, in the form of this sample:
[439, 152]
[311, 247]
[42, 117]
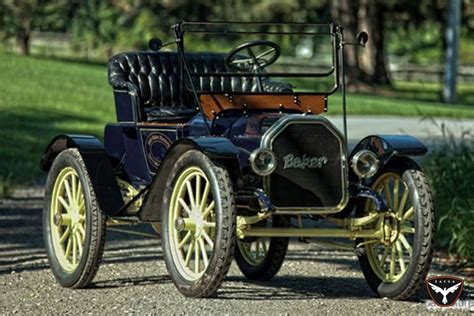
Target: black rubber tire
[272, 263]
[221, 258]
[94, 242]
[424, 219]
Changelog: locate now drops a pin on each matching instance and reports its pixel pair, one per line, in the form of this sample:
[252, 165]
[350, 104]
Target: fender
[98, 166]
[392, 149]
[218, 149]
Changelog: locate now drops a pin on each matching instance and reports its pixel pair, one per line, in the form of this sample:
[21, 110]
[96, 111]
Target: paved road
[426, 129]
[133, 278]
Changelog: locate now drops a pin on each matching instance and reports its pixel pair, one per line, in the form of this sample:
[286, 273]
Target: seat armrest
[127, 104]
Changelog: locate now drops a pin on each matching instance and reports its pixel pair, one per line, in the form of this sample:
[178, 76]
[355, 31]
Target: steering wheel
[253, 56]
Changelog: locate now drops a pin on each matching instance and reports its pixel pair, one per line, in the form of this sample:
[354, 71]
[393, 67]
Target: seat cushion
[157, 79]
[169, 114]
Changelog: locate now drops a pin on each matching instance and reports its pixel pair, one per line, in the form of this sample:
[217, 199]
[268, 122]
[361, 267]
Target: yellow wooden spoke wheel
[193, 216]
[261, 258]
[198, 219]
[389, 259]
[73, 225]
[396, 265]
[254, 252]
[68, 219]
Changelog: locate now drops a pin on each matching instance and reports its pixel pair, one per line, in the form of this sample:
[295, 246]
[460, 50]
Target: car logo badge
[444, 290]
[303, 162]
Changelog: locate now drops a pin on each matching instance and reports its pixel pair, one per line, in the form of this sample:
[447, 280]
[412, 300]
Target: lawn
[41, 98]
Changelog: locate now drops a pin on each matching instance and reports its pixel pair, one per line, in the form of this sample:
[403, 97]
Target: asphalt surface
[424, 128]
[133, 278]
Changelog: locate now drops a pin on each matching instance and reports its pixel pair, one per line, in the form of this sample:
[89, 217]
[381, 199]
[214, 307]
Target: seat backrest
[157, 78]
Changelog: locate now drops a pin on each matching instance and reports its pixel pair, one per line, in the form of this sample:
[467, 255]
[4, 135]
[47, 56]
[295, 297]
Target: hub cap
[68, 219]
[390, 257]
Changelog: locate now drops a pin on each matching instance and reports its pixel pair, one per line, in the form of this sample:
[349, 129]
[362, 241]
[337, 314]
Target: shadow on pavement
[296, 287]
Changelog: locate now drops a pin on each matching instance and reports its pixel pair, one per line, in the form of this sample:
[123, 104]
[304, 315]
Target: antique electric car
[228, 155]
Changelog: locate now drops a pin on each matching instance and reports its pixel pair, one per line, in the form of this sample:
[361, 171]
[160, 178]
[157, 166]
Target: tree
[344, 12]
[373, 56]
[18, 18]
[17, 21]
[367, 66]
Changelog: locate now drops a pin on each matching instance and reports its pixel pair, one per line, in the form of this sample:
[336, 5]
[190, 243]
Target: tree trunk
[372, 57]
[23, 40]
[344, 12]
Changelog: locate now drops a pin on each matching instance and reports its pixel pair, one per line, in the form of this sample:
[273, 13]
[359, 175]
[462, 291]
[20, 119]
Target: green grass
[41, 98]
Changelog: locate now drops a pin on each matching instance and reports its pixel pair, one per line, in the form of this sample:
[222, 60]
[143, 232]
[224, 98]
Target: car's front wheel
[198, 217]
[397, 266]
[73, 224]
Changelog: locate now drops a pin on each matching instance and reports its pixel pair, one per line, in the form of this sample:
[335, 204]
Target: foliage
[451, 169]
[19, 18]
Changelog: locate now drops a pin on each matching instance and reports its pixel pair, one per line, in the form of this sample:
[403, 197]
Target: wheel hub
[391, 228]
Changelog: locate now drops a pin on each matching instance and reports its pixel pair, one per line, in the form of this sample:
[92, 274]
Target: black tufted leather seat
[155, 77]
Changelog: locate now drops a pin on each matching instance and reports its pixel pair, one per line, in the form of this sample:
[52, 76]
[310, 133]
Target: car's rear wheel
[73, 225]
[396, 268]
[261, 258]
[198, 217]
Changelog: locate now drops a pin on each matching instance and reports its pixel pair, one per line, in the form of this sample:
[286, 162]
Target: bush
[451, 170]
[6, 185]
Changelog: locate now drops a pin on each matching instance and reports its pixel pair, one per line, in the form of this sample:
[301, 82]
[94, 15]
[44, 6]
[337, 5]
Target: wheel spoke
[241, 61]
[405, 243]
[204, 196]
[188, 255]
[185, 206]
[190, 194]
[73, 188]
[80, 196]
[264, 247]
[401, 260]
[67, 253]
[392, 263]
[396, 188]
[198, 190]
[208, 239]
[79, 243]
[208, 209]
[384, 255]
[209, 224]
[403, 201]
[80, 238]
[64, 203]
[407, 230]
[68, 191]
[65, 235]
[408, 214]
[74, 249]
[203, 252]
[265, 53]
[184, 240]
[80, 228]
[388, 196]
[197, 256]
